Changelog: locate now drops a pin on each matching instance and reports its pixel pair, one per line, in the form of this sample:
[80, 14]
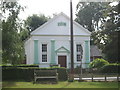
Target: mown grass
[65, 84]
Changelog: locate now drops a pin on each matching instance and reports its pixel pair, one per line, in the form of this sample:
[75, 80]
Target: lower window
[79, 57]
[44, 58]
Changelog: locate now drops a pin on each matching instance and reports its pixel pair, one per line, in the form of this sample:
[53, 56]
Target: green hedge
[12, 73]
[62, 74]
[110, 68]
[21, 65]
[27, 73]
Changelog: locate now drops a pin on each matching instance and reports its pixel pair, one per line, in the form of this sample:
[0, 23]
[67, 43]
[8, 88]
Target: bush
[27, 73]
[15, 73]
[110, 68]
[62, 74]
[98, 63]
[21, 65]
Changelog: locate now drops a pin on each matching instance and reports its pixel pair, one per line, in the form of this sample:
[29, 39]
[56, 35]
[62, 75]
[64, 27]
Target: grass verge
[65, 84]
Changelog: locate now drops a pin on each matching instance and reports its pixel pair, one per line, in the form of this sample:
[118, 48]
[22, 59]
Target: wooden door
[62, 61]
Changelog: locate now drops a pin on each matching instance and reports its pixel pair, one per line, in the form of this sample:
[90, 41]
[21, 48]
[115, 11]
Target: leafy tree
[110, 31]
[24, 34]
[107, 37]
[34, 21]
[90, 14]
[107, 25]
[12, 45]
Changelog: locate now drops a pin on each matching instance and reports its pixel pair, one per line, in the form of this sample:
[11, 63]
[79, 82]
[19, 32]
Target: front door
[62, 61]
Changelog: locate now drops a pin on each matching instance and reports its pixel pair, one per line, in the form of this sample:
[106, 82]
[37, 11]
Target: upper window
[61, 24]
[79, 48]
[44, 47]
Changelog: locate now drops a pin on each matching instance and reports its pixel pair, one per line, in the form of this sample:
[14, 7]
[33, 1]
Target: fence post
[80, 78]
[105, 77]
[92, 77]
[118, 78]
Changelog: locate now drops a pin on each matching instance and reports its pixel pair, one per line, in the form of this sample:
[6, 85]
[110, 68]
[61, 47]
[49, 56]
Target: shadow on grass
[104, 84]
[46, 81]
[8, 84]
[66, 85]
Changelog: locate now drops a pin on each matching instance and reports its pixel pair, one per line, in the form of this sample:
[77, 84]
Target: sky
[47, 7]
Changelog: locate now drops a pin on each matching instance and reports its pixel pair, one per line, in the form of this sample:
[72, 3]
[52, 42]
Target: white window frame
[78, 52]
[44, 53]
[45, 59]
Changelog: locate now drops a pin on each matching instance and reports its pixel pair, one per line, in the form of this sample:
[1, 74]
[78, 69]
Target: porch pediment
[62, 49]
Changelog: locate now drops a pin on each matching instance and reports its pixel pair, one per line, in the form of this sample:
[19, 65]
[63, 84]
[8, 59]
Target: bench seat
[40, 74]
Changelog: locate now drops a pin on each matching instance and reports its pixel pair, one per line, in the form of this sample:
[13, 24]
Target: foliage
[27, 73]
[62, 74]
[110, 68]
[12, 45]
[89, 14]
[108, 36]
[21, 65]
[24, 34]
[34, 21]
[103, 20]
[98, 63]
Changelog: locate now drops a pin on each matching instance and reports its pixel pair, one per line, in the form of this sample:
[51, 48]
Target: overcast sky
[47, 7]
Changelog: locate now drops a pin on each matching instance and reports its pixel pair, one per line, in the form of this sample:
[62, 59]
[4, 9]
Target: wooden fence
[97, 77]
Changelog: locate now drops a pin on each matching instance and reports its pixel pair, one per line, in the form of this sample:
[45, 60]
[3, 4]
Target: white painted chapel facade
[49, 44]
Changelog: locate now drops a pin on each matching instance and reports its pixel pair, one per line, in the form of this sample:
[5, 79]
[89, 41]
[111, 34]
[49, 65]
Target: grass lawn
[65, 84]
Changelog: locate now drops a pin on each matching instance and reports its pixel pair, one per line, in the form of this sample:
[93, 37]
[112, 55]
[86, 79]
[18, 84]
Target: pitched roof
[95, 51]
[32, 33]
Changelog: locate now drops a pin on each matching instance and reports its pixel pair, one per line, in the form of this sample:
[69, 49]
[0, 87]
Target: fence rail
[97, 77]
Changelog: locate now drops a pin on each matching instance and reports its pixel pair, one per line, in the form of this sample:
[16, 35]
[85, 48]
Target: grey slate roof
[95, 51]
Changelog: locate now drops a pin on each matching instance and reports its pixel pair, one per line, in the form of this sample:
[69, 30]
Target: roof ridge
[74, 22]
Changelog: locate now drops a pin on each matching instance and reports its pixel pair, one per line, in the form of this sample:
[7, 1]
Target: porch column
[87, 53]
[36, 61]
[53, 52]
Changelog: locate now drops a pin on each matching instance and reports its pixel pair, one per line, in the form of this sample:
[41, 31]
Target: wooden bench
[45, 74]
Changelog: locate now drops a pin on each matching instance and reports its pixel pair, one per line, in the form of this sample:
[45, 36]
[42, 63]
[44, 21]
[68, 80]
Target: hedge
[62, 74]
[110, 68]
[21, 65]
[27, 73]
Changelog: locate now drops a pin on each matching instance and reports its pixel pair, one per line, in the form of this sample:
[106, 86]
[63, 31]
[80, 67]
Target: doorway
[62, 60]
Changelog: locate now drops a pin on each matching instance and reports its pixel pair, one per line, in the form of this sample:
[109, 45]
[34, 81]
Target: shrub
[15, 73]
[110, 68]
[62, 74]
[21, 65]
[27, 73]
[98, 63]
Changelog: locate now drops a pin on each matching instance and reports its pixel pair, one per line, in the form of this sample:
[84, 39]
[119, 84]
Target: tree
[106, 35]
[109, 34]
[110, 31]
[34, 21]
[12, 45]
[90, 14]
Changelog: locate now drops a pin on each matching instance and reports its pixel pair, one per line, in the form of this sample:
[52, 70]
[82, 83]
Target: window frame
[44, 52]
[44, 48]
[79, 51]
[45, 58]
[79, 59]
